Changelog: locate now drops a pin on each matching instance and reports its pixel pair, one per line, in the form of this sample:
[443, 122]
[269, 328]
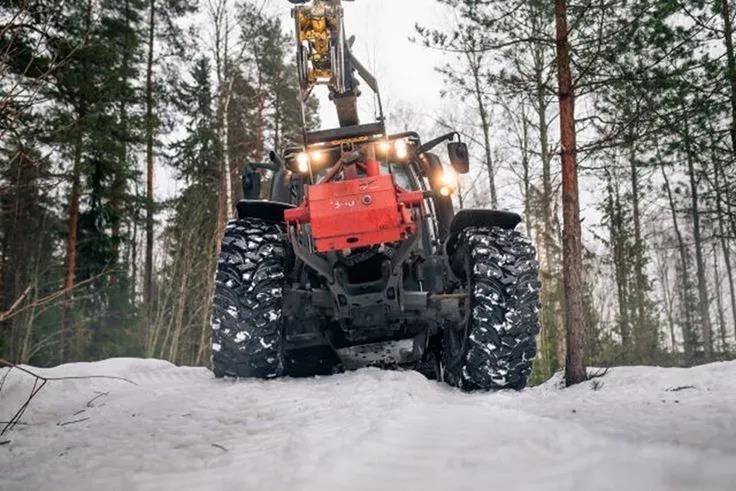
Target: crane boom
[324, 57]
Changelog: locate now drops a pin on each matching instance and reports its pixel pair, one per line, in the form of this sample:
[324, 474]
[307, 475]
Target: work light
[302, 162]
[448, 182]
[401, 149]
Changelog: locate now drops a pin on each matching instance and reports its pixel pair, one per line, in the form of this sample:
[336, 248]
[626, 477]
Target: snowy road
[179, 428]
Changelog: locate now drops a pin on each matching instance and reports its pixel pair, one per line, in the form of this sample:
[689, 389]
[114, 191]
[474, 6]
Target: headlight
[384, 147]
[302, 162]
[448, 182]
[316, 156]
[401, 149]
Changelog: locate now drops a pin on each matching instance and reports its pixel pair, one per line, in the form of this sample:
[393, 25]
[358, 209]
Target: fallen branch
[84, 377]
[72, 422]
[598, 374]
[101, 394]
[19, 413]
[679, 388]
[217, 445]
[38, 383]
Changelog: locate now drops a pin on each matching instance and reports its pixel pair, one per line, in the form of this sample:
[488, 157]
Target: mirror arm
[433, 143]
[272, 166]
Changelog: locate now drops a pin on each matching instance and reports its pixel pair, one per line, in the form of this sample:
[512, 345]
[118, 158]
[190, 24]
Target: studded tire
[247, 322]
[494, 346]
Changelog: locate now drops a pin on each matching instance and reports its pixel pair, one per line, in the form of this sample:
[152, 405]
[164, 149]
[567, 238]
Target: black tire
[247, 320]
[493, 348]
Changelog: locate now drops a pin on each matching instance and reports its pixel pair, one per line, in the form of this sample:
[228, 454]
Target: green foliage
[72, 110]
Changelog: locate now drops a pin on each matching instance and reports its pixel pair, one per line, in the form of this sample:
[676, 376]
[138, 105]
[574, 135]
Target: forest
[101, 98]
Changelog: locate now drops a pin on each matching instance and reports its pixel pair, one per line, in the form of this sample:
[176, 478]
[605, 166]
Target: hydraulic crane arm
[324, 57]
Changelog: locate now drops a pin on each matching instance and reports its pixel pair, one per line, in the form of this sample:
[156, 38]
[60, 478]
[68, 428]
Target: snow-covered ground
[179, 428]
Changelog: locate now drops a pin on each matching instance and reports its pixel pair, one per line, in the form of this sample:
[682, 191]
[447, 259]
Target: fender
[272, 211]
[479, 218]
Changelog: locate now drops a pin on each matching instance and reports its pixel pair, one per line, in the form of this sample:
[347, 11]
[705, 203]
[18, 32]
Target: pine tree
[181, 326]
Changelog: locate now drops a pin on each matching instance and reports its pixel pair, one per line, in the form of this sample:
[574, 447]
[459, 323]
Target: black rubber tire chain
[247, 320]
[499, 344]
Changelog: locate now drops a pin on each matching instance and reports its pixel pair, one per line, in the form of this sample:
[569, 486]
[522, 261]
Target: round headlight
[448, 182]
[316, 156]
[384, 147]
[401, 149]
[302, 162]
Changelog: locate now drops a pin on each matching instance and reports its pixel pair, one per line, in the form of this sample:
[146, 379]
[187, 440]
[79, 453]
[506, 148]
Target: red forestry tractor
[358, 257]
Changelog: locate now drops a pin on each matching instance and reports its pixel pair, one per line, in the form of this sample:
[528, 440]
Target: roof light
[384, 147]
[448, 182]
[401, 149]
[316, 156]
[302, 162]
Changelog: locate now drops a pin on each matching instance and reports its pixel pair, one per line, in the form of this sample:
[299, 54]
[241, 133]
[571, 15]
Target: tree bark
[527, 175]
[667, 293]
[71, 246]
[150, 128]
[228, 81]
[645, 340]
[546, 157]
[552, 323]
[725, 12]
[725, 249]
[118, 188]
[572, 262]
[719, 302]
[620, 267]
[485, 126]
[703, 307]
[689, 340]
[552, 315]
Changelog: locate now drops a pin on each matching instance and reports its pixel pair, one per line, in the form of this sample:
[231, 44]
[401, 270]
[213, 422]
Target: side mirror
[459, 157]
[251, 182]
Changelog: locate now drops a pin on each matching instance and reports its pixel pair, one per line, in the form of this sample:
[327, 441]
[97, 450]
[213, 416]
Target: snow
[637, 428]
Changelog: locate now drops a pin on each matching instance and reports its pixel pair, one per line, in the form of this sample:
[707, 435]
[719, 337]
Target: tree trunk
[703, 308]
[725, 12]
[689, 340]
[546, 157]
[228, 81]
[552, 324]
[646, 341]
[719, 302]
[71, 246]
[485, 126]
[572, 265]
[667, 293]
[118, 187]
[527, 175]
[620, 267]
[150, 128]
[725, 249]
